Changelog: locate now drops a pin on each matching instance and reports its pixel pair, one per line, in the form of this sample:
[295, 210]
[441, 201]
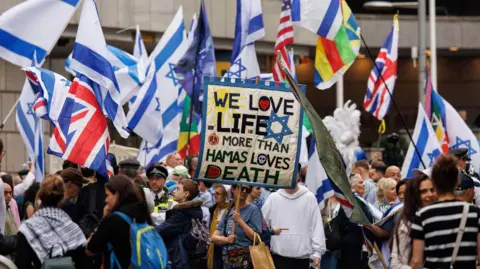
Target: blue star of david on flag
[158, 104]
[467, 143]
[67, 82]
[147, 148]
[433, 155]
[30, 109]
[171, 74]
[285, 130]
[237, 65]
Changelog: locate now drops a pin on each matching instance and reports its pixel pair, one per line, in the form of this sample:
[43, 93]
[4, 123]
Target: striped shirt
[438, 225]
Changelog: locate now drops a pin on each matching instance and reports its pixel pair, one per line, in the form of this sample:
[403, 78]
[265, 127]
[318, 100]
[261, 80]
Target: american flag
[284, 38]
[377, 99]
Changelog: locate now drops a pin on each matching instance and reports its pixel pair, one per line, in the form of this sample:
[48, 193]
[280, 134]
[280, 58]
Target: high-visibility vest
[163, 206]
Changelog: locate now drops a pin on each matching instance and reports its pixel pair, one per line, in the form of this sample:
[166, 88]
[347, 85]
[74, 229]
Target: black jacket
[115, 230]
[83, 207]
[178, 223]
[26, 258]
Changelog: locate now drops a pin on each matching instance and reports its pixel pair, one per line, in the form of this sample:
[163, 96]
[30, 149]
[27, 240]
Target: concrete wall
[458, 76]
[154, 16]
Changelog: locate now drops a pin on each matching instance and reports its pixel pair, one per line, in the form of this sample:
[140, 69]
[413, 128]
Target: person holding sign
[248, 221]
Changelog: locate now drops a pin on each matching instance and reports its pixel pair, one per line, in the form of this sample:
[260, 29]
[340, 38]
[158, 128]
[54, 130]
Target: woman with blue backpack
[125, 207]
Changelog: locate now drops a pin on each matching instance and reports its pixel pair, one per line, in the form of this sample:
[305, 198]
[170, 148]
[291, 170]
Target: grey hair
[460, 192]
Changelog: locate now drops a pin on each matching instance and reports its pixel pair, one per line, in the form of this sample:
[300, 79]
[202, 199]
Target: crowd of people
[428, 221]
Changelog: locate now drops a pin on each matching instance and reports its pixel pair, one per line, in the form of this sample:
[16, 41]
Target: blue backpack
[148, 249]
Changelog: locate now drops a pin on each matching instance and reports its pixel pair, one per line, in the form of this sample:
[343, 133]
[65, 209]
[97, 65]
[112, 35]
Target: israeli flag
[29, 30]
[317, 180]
[148, 154]
[156, 113]
[91, 58]
[51, 92]
[130, 73]
[140, 53]
[427, 144]
[31, 129]
[248, 28]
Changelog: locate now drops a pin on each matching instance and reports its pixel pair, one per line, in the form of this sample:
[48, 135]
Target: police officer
[464, 162]
[157, 176]
[466, 168]
[465, 189]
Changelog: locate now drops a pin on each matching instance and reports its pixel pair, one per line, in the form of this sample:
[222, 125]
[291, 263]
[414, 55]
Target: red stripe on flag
[60, 141]
[32, 76]
[39, 104]
[78, 116]
[332, 54]
[93, 131]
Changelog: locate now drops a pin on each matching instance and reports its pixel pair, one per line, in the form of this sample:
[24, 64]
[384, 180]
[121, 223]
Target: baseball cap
[71, 174]
[157, 170]
[181, 170]
[466, 182]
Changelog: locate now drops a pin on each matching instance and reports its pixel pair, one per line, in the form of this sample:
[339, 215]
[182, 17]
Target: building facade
[457, 42]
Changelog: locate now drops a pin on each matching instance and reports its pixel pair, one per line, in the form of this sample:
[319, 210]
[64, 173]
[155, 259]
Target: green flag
[328, 153]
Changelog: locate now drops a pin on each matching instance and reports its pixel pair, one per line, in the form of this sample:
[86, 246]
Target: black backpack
[196, 243]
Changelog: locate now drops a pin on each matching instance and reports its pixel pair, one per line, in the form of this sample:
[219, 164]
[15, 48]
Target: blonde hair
[382, 185]
[224, 190]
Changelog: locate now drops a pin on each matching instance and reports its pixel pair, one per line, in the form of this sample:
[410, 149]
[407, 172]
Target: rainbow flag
[183, 140]
[435, 110]
[334, 57]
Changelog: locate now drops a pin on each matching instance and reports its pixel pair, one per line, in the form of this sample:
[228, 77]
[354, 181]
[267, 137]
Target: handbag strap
[255, 236]
[461, 230]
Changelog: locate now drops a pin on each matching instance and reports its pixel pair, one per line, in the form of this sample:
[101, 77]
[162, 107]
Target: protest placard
[251, 133]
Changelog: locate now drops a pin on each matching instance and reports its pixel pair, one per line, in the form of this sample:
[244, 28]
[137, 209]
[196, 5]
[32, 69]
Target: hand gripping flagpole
[9, 114]
[393, 101]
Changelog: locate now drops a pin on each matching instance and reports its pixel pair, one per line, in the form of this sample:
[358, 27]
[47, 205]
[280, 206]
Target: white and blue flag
[140, 53]
[91, 58]
[317, 180]
[156, 113]
[148, 154]
[427, 145]
[129, 71]
[248, 28]
[31, 129]
[31, 29]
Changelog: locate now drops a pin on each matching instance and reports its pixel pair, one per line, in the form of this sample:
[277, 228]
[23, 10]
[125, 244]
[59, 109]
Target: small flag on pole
[377, 98]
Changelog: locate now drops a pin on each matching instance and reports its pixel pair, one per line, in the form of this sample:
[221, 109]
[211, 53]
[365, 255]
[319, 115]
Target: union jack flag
[377, 99]
[284, 38]
[81, 135]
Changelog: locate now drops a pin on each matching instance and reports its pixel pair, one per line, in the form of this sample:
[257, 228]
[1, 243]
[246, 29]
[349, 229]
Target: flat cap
[73, 175]
[130, 162]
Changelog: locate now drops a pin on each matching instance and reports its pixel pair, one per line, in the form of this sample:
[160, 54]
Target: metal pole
[9, 113]
[339, 97]
[433, 42]
[421, 49]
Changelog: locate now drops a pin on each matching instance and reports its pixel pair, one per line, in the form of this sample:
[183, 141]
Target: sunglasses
[246, 189]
